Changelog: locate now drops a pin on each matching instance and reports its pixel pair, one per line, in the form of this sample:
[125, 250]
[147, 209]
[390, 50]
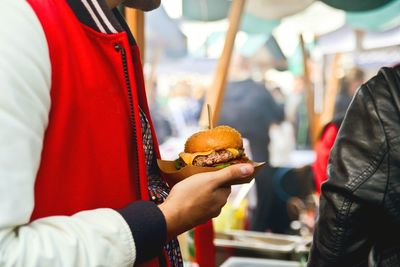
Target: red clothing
[204, 247]
[93, 154]
[322, 151]
[89, 124]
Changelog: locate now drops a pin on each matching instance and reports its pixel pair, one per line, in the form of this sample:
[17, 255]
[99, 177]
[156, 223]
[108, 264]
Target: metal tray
[256, 241]
[251, 262]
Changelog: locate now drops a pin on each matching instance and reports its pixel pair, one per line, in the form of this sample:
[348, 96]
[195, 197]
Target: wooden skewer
[210, 123]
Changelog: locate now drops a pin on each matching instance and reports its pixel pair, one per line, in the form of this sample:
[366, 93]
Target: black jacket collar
[98, 16]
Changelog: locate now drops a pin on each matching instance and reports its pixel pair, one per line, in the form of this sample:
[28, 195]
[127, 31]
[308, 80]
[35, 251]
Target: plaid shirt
[157, 187]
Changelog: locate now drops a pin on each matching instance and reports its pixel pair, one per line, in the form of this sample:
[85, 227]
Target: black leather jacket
[359, 222]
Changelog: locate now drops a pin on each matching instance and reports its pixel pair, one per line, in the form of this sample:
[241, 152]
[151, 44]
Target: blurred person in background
[249, 107]
[297, 114]
[162, 124]
[351, 82]
[359, 214]
[183, 108]
[79, 183]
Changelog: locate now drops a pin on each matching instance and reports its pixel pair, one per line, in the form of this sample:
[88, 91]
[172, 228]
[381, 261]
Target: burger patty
[216, 157]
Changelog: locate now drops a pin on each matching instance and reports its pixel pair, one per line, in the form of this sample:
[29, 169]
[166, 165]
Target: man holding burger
[78, 181]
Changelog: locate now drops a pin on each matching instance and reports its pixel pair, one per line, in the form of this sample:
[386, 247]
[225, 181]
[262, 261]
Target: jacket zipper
[120, 49]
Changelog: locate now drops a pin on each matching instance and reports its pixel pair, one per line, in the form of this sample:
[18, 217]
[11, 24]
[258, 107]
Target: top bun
[221, 137]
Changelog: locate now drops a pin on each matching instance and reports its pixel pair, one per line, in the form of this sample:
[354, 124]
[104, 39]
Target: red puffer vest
[92, 152]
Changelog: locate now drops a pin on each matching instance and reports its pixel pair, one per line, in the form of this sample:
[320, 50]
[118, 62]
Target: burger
[218, 147]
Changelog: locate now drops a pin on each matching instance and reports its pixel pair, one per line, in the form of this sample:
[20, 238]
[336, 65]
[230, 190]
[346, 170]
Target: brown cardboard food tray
[173, 176]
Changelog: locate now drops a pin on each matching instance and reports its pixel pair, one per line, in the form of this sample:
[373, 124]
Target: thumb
[234, 174]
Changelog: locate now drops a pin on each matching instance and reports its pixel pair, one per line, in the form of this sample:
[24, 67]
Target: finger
[223, 192]
[225, 195]
[235, 174]
[222, 198]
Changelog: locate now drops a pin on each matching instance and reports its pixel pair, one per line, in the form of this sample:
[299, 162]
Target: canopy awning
[383, 18]
[345, 40]
[356, 5]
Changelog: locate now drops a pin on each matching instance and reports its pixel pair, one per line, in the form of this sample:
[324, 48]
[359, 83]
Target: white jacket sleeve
[90, 238]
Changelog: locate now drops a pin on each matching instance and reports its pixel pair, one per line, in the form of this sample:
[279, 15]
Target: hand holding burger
[201, 196]
[186, 205]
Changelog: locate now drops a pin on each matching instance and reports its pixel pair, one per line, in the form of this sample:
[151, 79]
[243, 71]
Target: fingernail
[245, 170]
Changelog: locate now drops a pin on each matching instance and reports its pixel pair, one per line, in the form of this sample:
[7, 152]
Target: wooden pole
[313, 118]
[332, 90]
[135, 21]
[215, 93]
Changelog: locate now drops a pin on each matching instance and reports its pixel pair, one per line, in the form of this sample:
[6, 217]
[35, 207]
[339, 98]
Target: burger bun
[218, 138]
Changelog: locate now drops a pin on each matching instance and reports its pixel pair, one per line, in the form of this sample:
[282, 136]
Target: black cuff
[148, 227]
